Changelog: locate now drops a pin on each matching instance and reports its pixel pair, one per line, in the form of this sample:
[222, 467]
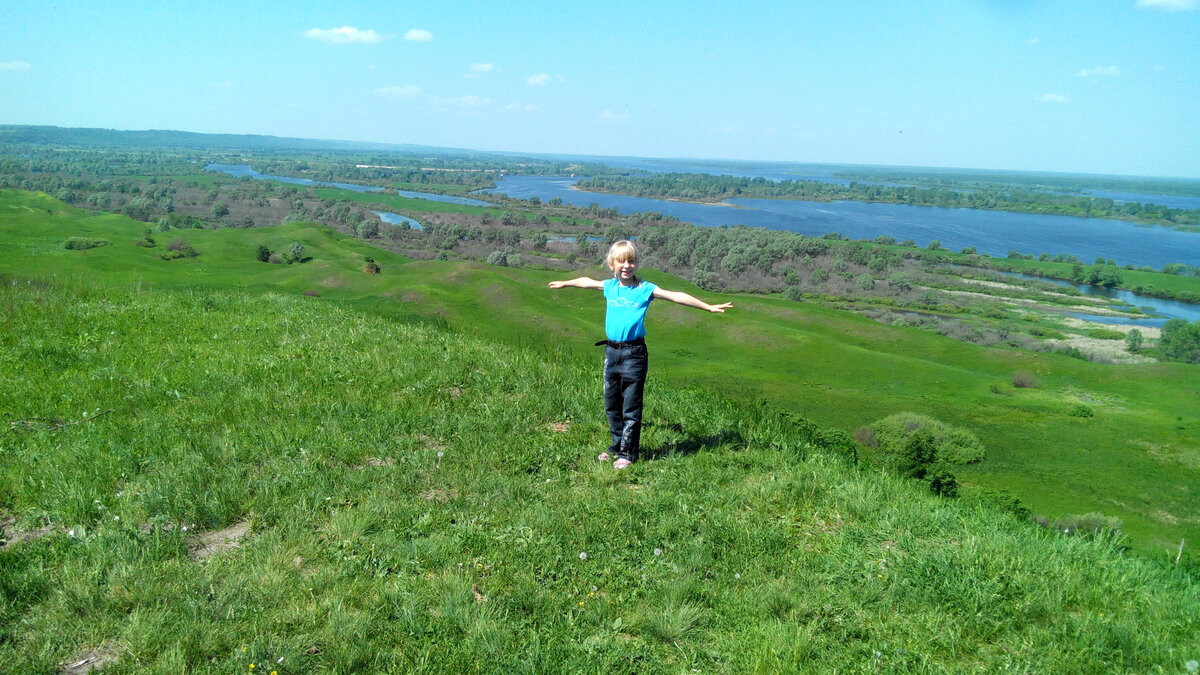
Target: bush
[1105, 334]
[1080, 410]
[262, 253]
[179, 248]
[498, 258]
[295, 253]
[1024, 380]
[82, 243]
[950, 444]
[1134, 340]
[999, 499]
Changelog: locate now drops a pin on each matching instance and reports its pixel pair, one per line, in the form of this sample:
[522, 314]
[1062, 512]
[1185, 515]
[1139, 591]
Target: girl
[625, 356]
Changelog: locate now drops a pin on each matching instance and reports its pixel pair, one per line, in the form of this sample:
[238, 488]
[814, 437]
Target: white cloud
[482, 67]
[1054, 98]
[540, 80]
[418, 35]
[469, 101]
[1169, 5]
[409, 91]
[517, 107]
[610, 116]
[344, 35]
[1109, 71]
[15, 66]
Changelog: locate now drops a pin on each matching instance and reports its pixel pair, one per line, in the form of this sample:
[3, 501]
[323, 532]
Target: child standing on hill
[625, 355]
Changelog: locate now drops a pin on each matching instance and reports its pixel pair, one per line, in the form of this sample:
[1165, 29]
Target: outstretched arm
[682, 298]
[581, 282]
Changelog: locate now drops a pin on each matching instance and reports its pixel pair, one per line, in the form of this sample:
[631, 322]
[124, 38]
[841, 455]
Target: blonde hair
[621, 250]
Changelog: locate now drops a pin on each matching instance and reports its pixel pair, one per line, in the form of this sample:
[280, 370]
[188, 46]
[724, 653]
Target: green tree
[295, 253]
[1180, 341]
[1133, 340]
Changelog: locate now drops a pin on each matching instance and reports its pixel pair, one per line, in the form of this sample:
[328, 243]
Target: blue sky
[1100, 86]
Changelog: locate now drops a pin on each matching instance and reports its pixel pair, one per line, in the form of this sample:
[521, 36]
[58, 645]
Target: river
[992, 232]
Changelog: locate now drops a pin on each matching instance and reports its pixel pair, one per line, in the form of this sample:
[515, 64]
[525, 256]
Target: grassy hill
[229, 481]
[1135, 457]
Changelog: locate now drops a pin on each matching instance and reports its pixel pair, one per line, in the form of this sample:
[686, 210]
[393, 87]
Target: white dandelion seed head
[658, 551]
[71, 533]
[116, 517]
[583, 555]
[1193, 666]
[737, 576]
[440, 453]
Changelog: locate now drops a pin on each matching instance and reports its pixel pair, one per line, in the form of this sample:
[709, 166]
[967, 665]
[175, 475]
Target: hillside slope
[412, 499]
[1086, 438]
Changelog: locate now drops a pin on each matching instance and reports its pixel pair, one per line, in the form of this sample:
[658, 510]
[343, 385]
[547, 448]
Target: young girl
[625, 356]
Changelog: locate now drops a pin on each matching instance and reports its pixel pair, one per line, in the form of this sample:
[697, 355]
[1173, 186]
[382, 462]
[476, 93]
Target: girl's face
[625, 270]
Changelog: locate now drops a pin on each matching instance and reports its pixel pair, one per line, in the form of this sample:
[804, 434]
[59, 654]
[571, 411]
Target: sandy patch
[993, 284]
[9, 534]
[92, 659]
[560, 427]
[212, 543]
[1148, 332]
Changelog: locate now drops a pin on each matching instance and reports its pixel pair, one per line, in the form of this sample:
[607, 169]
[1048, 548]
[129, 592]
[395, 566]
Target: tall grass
[419, 500]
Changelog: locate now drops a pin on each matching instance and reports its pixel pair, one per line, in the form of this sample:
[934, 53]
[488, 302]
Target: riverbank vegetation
[718, 188]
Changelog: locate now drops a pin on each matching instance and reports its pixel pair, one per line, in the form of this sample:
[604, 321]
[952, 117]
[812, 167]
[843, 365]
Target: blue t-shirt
[626, 316]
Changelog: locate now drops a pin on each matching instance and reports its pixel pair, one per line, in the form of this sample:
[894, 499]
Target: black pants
[624, 382]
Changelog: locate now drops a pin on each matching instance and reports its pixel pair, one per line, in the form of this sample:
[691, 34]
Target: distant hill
[160, 138]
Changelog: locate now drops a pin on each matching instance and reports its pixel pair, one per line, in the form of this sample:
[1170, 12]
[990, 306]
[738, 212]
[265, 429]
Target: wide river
[992, 232]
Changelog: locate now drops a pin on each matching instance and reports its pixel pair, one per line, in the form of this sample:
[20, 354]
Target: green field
[1135, 458]
[215, 481]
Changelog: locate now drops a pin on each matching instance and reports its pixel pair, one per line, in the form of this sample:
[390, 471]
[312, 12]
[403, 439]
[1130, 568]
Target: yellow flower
[251, 666]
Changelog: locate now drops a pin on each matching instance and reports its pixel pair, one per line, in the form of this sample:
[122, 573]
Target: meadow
[208, 480]
[1074, 438]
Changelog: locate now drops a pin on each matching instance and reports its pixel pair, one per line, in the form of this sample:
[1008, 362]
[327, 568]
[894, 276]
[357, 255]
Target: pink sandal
[604, 457]
[622, 463]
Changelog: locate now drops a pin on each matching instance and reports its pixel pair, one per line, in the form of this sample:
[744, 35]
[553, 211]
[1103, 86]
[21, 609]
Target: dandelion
[1193, 666]
[583, 556]
[116, 518]
[737, 576]
[71, 533]
[658, 551]
[251, 666]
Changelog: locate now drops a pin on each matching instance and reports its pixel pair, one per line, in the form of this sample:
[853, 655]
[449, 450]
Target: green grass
[1136, 458]
[421, 500]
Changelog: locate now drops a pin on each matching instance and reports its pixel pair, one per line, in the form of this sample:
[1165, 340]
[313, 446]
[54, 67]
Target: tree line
[704, 187]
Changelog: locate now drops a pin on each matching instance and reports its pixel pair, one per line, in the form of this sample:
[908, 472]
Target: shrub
[1024, 380]
[498, 258]
[262, 253]
[179, 248]
[1105, 334]
[1133, 340]
[295, 253]
[82, 243]
[998, 499]
[1080, 410]
[951, 445]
